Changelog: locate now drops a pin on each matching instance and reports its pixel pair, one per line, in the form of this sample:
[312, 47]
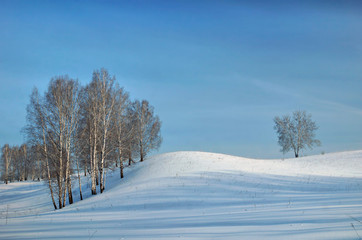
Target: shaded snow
[196, 195]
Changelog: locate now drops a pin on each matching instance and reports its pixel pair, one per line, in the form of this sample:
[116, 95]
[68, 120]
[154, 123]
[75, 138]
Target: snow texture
[196, 195]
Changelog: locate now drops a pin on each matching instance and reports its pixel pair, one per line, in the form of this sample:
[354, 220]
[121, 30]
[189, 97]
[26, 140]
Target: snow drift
[196, 195]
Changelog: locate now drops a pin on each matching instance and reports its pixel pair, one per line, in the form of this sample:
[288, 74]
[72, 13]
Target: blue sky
[217, 72]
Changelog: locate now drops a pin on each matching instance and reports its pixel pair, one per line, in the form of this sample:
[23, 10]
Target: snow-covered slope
[196, 195]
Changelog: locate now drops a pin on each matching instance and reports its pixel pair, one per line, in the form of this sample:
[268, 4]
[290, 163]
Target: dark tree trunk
[141, 152]
[129, 158]
[121, 168]
[60, 203]
[101, 186]
[70, 196]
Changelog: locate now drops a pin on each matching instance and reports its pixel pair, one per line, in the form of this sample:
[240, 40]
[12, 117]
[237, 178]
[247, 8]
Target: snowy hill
[196, 195]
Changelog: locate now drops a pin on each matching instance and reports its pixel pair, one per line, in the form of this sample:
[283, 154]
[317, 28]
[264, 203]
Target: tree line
[73, 130]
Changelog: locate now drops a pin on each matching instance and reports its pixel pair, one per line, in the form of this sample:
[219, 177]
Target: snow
[197, 195]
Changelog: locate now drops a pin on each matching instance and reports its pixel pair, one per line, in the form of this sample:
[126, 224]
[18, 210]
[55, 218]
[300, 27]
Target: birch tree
[37, 134]
[24, 162]
[130, 130]
[148, 128]
[122, 135]
[89, 130]
[99, 107]
[52, 121]
[107, 101]
[6, 160]
[296, 132]
[61, 103]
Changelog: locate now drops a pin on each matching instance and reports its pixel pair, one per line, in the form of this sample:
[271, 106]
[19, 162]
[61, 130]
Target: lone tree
[296, 132]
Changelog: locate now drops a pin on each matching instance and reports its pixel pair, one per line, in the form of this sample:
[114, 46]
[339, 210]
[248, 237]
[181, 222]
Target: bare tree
[130, 140]
[88, 131]
[16, 164]
[148, 128]
[36, 162]
[63, 106]
[122, 135]
[36, 131]
[107, 101]
[72, 109]
[296, 132]
[6, 160]
[98, 110]
[52, 122]
[24, 162]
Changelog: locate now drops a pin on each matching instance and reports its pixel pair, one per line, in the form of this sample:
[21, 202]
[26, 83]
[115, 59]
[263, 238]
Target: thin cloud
[283, 90]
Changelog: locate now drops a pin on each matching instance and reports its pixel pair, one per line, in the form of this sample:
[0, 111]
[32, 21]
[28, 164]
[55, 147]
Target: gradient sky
[217, 72]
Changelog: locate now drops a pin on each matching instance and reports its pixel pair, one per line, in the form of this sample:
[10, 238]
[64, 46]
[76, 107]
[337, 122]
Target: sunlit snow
[196, 195]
